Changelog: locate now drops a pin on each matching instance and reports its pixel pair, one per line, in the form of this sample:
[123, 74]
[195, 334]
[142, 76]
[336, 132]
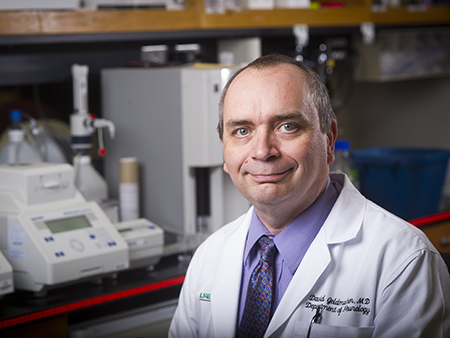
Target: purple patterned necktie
[258, 303]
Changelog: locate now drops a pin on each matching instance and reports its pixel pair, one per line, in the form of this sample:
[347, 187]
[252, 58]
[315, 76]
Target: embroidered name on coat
[338, 306]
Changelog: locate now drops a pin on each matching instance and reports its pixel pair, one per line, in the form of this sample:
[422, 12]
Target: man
[342, 266]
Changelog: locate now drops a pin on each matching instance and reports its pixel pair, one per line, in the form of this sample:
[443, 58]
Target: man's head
[276, 147]
[320, 97]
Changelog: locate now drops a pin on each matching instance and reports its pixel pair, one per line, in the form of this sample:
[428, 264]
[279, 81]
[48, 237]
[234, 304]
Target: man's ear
[331, 138]
[225, 168]
[224, 165]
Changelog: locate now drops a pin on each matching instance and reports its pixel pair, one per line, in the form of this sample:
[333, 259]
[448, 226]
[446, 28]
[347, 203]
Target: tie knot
[267, 248]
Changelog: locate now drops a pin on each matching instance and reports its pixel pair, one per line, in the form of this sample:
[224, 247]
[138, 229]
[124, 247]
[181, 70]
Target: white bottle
[129, 189]
[343, 162]
[88, 181]
[18, 151]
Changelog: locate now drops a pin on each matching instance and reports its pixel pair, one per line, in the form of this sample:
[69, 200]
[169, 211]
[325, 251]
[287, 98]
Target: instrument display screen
[68, 224]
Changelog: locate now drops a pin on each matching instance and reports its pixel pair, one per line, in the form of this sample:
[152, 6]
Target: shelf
[23, 23]
[281, 18]
[435, 15]
[101, 21]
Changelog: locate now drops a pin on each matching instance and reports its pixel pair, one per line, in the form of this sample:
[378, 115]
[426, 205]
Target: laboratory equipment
[29, 141]
[239, 51]
[18, 150]
[129, 189]
[154, 54]
[145, 242]
[6, 277]
[82, 126]
[50, 234]
[50, 148]
[167, 118]
[402, 54]
[88, 181]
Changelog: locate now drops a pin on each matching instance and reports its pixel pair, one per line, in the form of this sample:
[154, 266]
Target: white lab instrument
[6, 277]
[167, 118]
[51, 235]
[145, 241]
[82, 125]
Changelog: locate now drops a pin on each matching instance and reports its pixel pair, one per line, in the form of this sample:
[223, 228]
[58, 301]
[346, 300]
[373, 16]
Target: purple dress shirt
[291, 243]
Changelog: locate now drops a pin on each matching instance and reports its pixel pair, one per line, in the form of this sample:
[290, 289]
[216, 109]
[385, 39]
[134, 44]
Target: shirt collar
[293, 242]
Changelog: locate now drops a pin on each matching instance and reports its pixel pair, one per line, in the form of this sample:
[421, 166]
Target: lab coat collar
[226, 290]
[342, 224]
[346, 217]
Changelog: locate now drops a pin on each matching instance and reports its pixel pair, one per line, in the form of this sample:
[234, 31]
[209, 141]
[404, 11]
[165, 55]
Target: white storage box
[14, 5]
[293, 3]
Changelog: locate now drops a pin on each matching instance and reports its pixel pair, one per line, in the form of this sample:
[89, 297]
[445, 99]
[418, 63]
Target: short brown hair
[319, 92]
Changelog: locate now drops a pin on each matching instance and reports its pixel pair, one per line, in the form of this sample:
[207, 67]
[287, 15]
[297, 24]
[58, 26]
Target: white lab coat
[373, 275]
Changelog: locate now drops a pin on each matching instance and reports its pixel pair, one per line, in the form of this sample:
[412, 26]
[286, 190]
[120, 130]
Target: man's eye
[288, 127]
[242, 132]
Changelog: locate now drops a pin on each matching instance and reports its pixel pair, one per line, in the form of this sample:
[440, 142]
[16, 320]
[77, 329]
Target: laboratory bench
[24, 314]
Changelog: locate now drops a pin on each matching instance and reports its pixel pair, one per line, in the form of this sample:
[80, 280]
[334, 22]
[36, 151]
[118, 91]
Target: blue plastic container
[405, 181]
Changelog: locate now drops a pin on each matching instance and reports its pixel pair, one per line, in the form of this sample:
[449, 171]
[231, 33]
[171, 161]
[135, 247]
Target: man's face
[274, 150]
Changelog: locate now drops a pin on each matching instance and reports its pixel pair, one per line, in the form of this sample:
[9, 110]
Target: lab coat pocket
[328, 331]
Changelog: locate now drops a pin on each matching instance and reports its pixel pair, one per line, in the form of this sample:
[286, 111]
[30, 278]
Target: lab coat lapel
[310, 269]
[226, 289]
[342, 224]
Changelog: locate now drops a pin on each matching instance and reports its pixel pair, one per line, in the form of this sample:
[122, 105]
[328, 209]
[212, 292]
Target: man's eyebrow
[294, 115]
[236, 123]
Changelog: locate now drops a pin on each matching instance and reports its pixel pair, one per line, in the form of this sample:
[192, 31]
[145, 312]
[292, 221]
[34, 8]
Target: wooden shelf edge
[326, 17]
[280, 18]
[194, 18]
[101, 21]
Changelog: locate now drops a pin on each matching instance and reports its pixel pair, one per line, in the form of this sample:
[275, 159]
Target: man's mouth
[269, 177]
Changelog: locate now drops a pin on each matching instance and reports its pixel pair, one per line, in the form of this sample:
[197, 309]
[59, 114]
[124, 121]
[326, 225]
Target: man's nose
[265, 146]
